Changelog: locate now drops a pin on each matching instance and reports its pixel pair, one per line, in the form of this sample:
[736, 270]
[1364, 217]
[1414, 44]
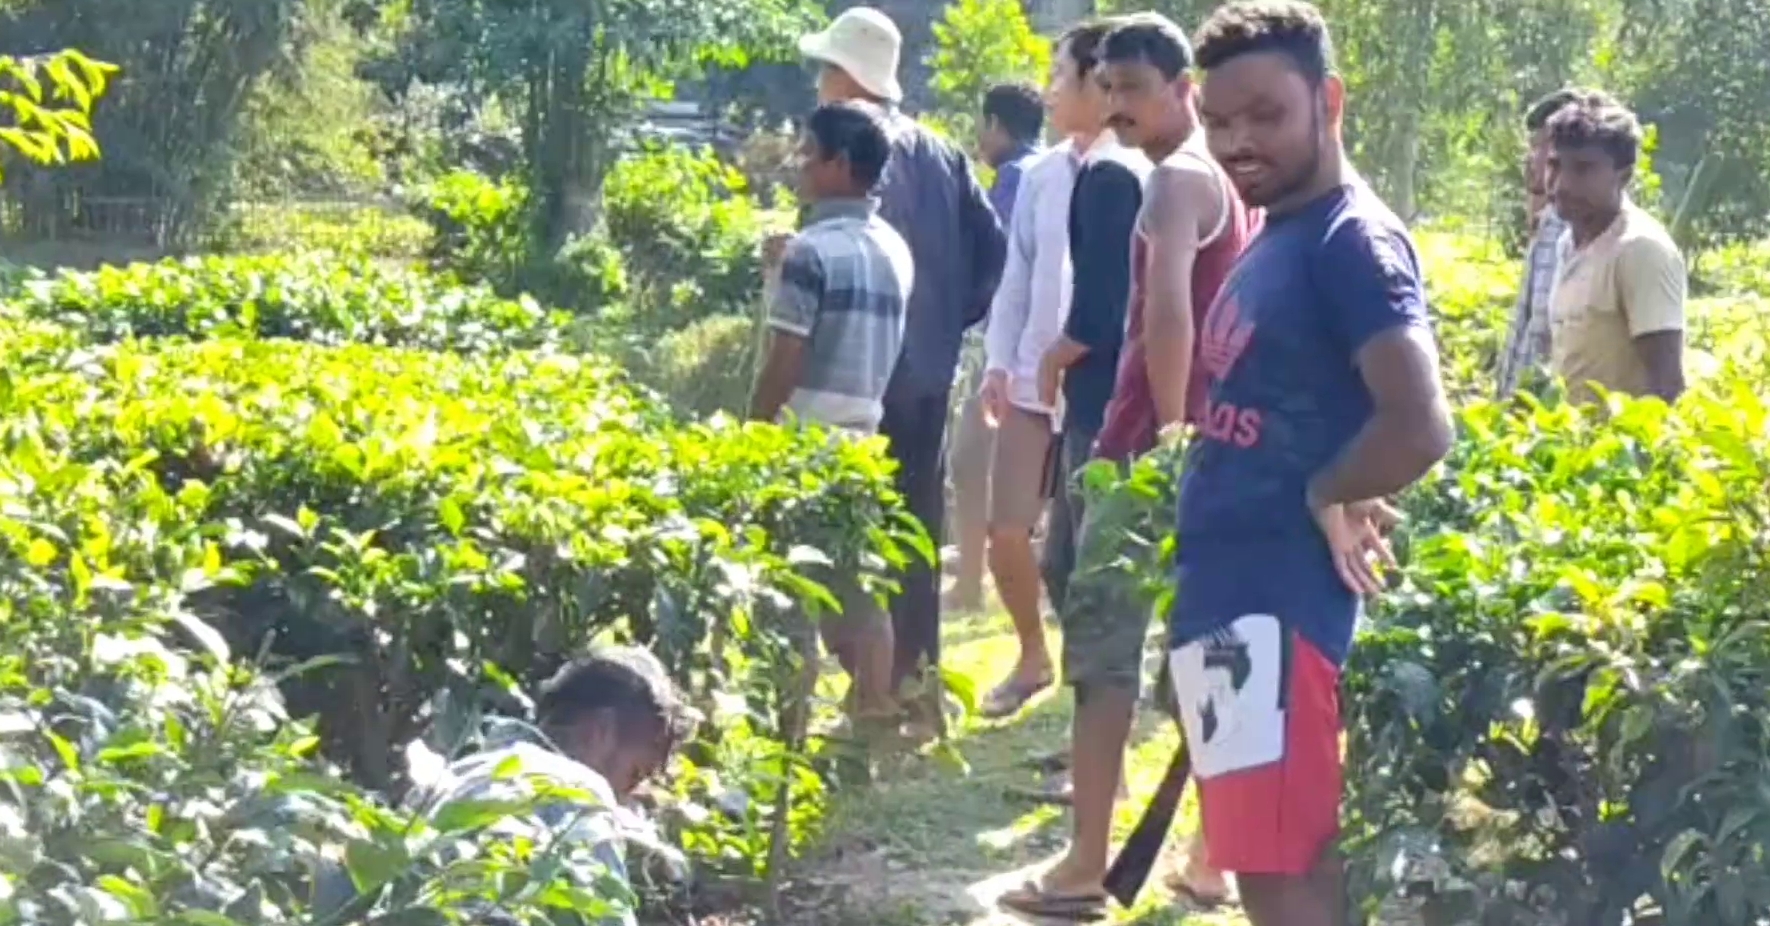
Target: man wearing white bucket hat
[933, 199]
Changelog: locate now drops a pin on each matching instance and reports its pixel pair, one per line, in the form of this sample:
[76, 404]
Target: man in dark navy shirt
[1324, 399]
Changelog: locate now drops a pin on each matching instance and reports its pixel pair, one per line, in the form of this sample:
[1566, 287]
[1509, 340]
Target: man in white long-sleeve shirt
[1025, 319]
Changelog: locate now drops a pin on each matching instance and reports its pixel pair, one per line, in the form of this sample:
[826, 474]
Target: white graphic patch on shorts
[1229, 688]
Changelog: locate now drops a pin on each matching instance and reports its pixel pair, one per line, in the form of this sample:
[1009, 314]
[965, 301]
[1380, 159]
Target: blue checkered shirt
[1527, 341]
[844, 286]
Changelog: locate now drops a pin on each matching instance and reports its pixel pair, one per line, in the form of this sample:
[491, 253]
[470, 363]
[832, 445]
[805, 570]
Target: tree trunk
[1405, 168]
[564, 159]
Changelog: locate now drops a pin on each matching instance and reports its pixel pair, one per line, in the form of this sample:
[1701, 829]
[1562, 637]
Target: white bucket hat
[865, 43]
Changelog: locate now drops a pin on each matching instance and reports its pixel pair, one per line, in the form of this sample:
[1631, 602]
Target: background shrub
[705, 368]
[479, 229]
[415, 501]
[688, 232]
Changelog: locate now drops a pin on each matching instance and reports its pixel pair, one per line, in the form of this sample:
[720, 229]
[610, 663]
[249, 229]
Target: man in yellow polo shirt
[1617, 312]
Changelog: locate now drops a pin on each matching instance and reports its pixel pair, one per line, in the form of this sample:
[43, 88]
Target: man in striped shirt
[930, 195]
[836, 317]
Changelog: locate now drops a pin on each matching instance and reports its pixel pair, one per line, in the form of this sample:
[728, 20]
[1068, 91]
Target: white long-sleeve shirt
[1032, 301]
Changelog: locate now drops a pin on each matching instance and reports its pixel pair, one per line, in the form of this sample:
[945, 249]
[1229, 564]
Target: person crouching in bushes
[606, 724]
[837, 293]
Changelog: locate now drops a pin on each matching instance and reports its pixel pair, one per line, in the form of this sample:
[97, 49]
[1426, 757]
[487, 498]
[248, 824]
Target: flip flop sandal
[1056, 795]
[1050, 763]
[1031, 900]
[1006, 699]
[1059, 790]
[1199, 902]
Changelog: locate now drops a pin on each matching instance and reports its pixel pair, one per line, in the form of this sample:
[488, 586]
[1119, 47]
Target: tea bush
[146, 776]
[688, 231]
[449, 514]
[705, 368]
[365, 229]
[478, 230]
[1556, 706]
[410, 514]
[311, 297]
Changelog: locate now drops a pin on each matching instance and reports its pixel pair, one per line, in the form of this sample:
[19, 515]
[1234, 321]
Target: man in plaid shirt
[1527, 341]
[836, 309]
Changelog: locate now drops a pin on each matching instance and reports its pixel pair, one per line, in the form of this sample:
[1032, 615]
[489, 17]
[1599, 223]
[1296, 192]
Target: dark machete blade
[1130, 870]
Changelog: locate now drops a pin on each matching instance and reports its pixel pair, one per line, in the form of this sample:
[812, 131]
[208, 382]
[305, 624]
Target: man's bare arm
[1409, 430]
[1066, 353]
[1183, 202]
[1662, 353]
[780, 375]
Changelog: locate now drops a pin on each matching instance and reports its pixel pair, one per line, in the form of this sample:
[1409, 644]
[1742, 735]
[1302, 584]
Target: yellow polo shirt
[1628, 282]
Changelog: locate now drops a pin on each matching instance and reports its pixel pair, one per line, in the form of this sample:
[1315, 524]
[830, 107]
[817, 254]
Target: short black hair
[1538, 115]
[1083, 41]
[856, 131]
[1152, 38]
[1596, 120]
[627, 682]
[1018, 107]
[1292, 28]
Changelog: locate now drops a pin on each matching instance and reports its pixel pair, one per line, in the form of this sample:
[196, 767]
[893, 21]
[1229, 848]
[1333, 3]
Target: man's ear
[1333, 94]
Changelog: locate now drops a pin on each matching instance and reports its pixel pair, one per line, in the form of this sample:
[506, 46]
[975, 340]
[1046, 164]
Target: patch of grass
[928, 845]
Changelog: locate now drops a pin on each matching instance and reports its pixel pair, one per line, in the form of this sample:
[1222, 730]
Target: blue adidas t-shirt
[1286, 397]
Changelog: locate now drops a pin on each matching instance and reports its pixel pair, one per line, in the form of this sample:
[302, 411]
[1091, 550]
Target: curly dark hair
[1594, 119]
[1292, 28]
[627, 682]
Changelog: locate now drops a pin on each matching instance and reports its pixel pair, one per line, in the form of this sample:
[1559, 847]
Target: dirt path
[932, 846]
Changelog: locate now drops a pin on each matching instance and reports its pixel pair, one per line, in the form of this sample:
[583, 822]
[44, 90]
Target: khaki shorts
[1020, 470]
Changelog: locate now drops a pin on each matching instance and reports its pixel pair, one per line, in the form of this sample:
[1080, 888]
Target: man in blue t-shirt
[1324, 399]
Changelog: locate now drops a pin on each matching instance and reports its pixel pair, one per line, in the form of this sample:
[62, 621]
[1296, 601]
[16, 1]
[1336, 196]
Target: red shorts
[1261, 710]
